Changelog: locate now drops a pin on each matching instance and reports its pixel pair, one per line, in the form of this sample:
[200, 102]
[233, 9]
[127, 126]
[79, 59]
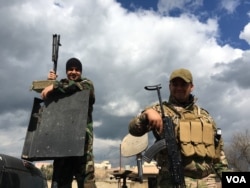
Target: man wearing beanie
[199, 143]
[82, 168]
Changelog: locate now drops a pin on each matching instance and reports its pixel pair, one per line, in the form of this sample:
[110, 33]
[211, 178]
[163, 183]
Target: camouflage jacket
[194, 165]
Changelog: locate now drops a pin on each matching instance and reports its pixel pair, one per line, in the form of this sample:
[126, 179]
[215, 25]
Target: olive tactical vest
[195, 130]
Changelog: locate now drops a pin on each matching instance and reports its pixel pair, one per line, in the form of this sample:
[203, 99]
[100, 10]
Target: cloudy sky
[125, 45]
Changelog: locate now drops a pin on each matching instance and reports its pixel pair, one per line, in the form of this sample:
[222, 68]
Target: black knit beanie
[74, 62]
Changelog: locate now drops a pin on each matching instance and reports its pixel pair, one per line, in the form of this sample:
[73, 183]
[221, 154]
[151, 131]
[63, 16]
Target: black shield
[57, 127]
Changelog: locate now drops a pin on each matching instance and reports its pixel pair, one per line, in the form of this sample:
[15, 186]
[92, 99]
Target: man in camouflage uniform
[203, 158]
[82, 168]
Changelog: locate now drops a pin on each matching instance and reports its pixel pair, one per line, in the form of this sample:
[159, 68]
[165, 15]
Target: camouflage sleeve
[220, 162]
[70, 86]
[65, 86]
[88, 84]
[138, 126]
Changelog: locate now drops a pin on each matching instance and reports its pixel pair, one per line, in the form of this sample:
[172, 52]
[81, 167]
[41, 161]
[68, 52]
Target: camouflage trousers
[210, 181]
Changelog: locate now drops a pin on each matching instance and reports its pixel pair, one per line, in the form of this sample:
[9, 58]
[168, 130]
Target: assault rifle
[169, 143]
[38, 86]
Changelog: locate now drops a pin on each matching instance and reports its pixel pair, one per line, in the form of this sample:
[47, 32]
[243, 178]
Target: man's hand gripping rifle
[169, 143]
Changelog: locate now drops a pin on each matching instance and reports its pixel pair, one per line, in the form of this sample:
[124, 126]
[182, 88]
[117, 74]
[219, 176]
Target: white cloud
[245, 34]
[121, 106]
[164, 6]
[230, 5]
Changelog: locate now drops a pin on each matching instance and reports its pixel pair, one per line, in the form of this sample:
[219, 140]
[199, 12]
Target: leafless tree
[238, 152]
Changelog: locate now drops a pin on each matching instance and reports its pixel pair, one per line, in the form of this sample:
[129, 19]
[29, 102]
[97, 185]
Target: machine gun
[134, 146]
[38, 86]
[169, 143]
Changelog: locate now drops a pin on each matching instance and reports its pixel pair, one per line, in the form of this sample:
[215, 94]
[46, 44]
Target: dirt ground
[111, 184]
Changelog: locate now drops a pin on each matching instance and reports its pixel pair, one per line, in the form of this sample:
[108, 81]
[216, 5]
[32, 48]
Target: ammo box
[19, 173]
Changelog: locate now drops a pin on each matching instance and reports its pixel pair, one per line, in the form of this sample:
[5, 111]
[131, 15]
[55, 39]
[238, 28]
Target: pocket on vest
[185, 132]
[196, 138]
[208, 139]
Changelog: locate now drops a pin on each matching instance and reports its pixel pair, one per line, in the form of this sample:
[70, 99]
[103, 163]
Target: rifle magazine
[154, 149]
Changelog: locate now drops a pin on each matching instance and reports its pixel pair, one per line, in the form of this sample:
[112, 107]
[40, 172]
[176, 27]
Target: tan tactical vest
[196, 131]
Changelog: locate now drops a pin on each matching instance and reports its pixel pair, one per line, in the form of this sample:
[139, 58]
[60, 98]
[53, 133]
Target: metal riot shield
[57, 127]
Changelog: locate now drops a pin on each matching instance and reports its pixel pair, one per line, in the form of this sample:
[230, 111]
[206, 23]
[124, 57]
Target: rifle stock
[39, 85]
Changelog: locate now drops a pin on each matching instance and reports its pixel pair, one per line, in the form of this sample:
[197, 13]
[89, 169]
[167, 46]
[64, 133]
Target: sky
[125, 45]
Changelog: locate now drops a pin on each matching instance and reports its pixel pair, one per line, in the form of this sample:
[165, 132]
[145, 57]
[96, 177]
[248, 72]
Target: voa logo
[236, 179]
